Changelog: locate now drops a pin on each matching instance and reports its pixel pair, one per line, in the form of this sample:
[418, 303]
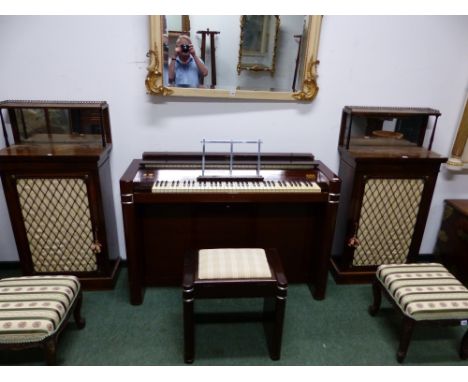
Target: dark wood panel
[171, 231]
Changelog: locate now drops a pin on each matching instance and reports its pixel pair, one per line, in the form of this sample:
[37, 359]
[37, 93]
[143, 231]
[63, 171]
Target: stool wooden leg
[405, 338]
[377, 293]
[464, 347]
[189, 327]
[278, 328]
[273, 321]
[80, 321]
[269, 310]
[50, 349]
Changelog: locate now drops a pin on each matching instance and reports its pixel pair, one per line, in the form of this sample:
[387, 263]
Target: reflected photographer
[186, 68]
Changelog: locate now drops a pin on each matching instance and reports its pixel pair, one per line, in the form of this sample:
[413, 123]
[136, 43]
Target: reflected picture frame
[307, 91]
[257, 41]
[254, 39]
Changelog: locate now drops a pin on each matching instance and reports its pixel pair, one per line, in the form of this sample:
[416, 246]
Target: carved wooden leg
[405, 338]
[464, 347]
[189, 326]
[377, 292]
[80, 321]
[50, 349]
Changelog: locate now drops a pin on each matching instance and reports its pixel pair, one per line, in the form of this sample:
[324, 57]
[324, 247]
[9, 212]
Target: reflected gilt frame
[264, 44]
[308, 90]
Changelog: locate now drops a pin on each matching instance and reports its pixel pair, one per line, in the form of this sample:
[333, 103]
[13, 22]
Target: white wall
[392, 61]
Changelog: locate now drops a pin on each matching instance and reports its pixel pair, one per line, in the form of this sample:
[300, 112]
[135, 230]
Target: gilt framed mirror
[275, 58]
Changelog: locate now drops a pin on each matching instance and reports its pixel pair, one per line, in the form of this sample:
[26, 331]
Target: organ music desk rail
[167, 212]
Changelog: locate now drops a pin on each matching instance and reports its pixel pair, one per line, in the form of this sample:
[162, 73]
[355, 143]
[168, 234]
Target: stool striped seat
[35, 309]
[233, 263]
[425, 292]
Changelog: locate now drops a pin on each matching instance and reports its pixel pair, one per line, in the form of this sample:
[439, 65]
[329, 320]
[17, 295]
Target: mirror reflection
[45, 125]
[248, 57]
[385, 131]
[233, 52]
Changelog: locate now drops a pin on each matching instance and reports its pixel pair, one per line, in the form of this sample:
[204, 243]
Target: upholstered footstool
[235, 273]
[423, 293]
[34, 310]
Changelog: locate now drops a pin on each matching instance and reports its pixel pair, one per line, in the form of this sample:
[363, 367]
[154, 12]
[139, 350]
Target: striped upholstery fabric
[32, 308]
[425, 291]
[233, 263]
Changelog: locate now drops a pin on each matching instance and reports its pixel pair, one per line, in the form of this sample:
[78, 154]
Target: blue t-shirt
[187, 75]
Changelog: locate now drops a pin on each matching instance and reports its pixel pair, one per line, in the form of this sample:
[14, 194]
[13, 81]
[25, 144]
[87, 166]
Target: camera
[185, 48]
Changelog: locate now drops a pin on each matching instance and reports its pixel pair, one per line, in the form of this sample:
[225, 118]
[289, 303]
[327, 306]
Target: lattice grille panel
[388, 217]
[58, 224]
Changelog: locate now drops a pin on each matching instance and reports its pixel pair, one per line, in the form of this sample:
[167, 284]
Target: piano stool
[424, 293]
[234, 273]
[35, 309]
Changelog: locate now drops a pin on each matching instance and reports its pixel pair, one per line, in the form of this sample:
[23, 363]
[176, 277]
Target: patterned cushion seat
[233, 263]
[425, 291]
[35, 309]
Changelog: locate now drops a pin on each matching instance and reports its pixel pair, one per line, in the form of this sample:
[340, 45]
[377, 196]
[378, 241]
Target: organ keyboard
[169, 210]
[233, 186]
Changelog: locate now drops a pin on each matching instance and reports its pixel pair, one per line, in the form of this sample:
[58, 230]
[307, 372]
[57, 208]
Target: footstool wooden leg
[80, 321]
[405, 338]
[464, 347]
[377, 293]
[189, 327]
[50, 349]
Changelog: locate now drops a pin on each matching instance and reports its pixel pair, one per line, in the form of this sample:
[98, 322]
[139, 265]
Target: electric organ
[169, 209]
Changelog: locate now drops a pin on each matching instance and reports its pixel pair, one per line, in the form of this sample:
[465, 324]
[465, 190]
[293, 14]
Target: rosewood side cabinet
[452, 242]
[56, 177]
[388, 174]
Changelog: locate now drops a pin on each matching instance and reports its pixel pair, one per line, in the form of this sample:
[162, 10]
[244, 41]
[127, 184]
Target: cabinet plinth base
[351, 275]
[104, 282]
[91, 281]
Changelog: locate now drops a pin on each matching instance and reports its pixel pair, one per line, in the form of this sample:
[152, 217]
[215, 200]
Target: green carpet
[335, 331]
